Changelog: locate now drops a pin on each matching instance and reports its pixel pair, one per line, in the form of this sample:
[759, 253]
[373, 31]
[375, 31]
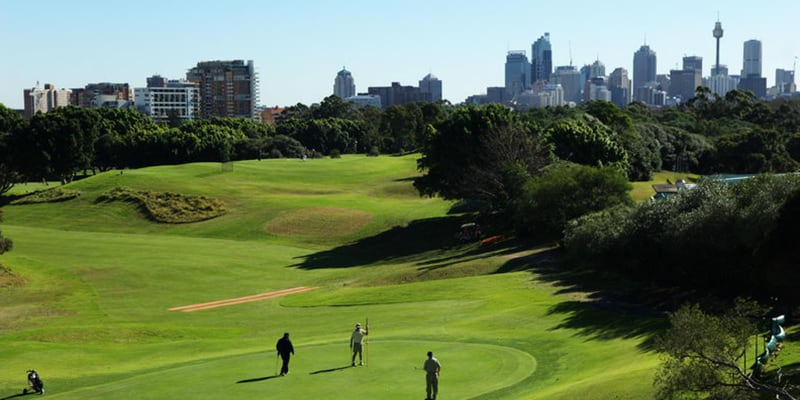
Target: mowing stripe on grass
[240, 300]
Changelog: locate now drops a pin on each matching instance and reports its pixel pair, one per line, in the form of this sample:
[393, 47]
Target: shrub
[335, 153]
[48, 196]
[168, 207]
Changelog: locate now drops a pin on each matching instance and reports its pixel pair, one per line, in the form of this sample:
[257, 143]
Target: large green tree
[11, 124]
[478, 154]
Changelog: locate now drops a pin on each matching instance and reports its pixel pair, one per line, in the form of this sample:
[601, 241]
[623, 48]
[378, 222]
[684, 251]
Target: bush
[335, 154]
[168, 207]
[48, 196]
[566, 191]
[374, 151]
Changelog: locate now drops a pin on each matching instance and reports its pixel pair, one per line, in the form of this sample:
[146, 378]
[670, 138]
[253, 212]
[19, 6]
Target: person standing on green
[432, 368]
[356, 344]
[285, 349]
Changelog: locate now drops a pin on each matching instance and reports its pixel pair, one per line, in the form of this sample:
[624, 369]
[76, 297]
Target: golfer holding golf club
[432, 368]
[356, 344]
[285, 350]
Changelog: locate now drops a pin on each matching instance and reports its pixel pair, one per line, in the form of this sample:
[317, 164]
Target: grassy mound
[53, 195]
[8, 278]
[166, 207]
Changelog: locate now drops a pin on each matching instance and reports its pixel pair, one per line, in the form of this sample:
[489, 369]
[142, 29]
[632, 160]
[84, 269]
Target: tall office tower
[717, 35]
[571, 82]
[227, 88]
[620, 87]
[541, 59]
[518, 73]
[431, 88]
[752, 59]
[683, 83]
[751, 72]
[693, 63]
[44, 100]
[784, 80]
[343, 85]
[644, 68]
[597, 69]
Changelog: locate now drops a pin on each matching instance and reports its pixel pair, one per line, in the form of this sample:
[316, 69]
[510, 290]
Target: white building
[44, 100]
[178, 98]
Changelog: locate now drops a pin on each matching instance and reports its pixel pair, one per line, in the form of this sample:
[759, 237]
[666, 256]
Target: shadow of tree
[607, 308]
[406, 242]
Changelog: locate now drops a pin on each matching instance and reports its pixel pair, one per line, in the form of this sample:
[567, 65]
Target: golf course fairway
[93, 290]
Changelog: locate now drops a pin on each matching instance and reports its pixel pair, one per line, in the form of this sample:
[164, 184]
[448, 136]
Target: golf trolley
[34, 382]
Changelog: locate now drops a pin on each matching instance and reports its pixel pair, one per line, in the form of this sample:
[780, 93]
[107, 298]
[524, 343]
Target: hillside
[349, 240]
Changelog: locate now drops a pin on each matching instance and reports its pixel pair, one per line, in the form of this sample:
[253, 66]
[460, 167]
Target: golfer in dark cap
[432, 368]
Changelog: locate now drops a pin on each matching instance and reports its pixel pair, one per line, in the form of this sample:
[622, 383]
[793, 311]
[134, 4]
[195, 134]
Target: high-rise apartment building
[620, 87]
[518, 73]
[644, 69]
[44, 100]
[541, 59]
[165, 99]
[227, 88]
[343, 85]
[431, 88]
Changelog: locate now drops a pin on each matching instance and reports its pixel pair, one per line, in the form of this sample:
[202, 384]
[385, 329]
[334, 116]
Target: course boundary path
[240, 300]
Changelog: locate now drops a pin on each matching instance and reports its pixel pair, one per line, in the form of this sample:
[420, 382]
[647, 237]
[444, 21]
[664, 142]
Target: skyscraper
[344, 86]
[541, 59]
[644, 68]
[570, 79]
[784, 80]
[620, 86]
[752, 59]
[227, 88]
[518, 71]
[693, 63]
[431, 88]
[751, 72]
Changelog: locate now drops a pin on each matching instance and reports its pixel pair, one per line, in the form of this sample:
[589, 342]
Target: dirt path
[240, 300]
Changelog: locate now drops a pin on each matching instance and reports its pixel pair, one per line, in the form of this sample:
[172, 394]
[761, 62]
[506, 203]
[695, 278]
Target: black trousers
[285, 365]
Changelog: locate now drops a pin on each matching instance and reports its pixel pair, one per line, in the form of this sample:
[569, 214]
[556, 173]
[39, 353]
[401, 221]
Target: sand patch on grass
[318, 221]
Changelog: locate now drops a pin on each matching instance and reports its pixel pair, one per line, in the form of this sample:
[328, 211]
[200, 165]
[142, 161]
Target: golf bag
[34, 382]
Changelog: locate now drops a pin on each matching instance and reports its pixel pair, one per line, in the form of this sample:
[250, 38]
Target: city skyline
[299, 47]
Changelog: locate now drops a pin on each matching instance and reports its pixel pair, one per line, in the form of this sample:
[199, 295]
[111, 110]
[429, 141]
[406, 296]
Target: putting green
[323, 371]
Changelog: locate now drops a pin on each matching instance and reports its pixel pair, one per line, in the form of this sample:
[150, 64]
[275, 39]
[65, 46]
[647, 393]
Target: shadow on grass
[324, 371]
[258, 379]
[406, 242]
[605, 307]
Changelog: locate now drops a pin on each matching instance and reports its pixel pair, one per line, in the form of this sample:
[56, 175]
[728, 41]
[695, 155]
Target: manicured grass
[93, 317]
[642, 191]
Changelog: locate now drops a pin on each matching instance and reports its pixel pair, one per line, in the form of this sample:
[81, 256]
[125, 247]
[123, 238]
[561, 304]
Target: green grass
[642, 191]
[93, 318]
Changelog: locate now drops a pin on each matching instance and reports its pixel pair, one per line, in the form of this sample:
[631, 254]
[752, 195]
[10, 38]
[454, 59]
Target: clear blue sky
[298, 46]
